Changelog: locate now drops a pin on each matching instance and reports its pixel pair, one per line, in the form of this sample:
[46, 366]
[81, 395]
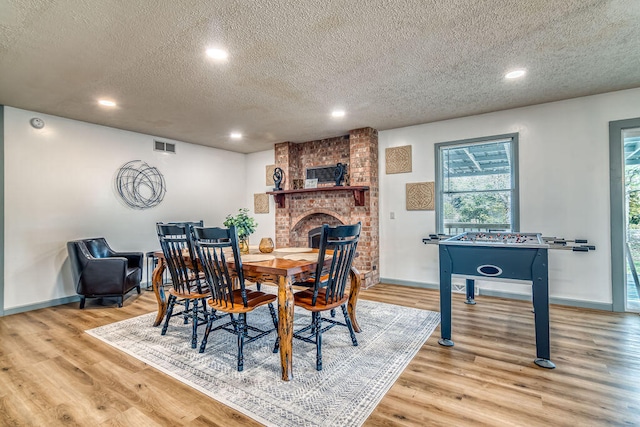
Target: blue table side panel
[515, 263]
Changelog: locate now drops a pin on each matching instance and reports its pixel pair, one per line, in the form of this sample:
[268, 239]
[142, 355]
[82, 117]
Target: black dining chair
[329, 285]
[188, 286]
[189, 225]
[215, 247]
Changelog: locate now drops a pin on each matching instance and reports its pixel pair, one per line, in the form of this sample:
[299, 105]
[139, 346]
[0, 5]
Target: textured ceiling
[387, 63]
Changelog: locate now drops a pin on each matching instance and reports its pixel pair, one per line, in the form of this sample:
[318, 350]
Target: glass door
[624, 190]
[631, 145]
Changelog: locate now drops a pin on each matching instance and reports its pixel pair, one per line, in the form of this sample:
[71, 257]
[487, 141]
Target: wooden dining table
[280, 271]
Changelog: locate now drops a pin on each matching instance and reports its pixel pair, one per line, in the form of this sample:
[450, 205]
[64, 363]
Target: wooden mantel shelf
[358, 193]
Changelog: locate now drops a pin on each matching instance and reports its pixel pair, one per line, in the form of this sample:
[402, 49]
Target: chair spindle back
[176, 243]
[215, 247]
[343, 241]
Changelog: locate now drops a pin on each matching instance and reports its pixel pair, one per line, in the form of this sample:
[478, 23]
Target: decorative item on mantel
[339, 173]
[298, 184]
[278, 177]
[266, 245]
[245, 226]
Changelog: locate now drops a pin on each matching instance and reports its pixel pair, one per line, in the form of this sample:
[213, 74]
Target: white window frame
[515, 193]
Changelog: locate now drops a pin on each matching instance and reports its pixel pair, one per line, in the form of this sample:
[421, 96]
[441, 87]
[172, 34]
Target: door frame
[2, 157]
[616, 184]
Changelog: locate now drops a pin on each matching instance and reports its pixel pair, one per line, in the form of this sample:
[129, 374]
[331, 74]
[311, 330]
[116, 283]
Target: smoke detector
[37, 123]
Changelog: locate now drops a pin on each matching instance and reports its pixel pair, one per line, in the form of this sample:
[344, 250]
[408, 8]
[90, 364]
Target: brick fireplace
[304, 211]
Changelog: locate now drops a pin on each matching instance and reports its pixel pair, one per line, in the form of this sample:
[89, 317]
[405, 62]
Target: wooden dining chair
[188, 286]
[328, 291]
[189, 225]
[228, 291]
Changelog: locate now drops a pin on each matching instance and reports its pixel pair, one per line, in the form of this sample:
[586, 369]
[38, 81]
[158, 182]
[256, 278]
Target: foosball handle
[581, 241]
[580, 249]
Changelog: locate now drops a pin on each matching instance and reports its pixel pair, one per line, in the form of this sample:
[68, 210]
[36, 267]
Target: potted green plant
[245, 226]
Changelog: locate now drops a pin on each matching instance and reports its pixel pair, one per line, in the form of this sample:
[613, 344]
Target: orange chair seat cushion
[304, 299]
[189, 295]
[254, 299]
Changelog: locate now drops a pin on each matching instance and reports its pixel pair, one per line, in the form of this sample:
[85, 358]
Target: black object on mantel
[339, 173]
[278, 176]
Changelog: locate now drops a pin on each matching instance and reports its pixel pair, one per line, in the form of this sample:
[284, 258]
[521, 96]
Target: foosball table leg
[541, 309]
[470, 292]
[544, 363]
[445, 297]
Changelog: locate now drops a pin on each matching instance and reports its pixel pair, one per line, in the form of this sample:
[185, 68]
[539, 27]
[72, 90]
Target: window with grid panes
[477, 185]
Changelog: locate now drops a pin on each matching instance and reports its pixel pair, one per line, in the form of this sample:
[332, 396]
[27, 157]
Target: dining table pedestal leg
[285, 325]
[158, 290]
[354, 290]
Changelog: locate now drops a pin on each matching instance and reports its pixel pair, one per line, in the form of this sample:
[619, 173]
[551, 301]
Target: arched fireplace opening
[302, 231]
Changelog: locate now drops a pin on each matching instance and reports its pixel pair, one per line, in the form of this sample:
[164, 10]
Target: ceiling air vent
[167, 147]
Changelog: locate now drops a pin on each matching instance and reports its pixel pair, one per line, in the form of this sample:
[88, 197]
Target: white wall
[564, 189]
[256, 184]
[59, 186]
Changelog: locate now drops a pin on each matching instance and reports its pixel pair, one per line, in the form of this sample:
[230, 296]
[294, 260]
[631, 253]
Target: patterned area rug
[352, 382]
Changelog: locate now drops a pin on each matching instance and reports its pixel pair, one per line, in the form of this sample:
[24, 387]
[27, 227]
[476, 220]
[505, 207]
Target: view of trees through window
[631, 138]
[632, 187]
[476, 186]
[482, 199]
[632, 194]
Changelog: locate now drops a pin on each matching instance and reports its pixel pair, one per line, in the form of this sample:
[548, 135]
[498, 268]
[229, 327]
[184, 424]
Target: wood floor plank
[52, 373]
[131, 417]
[161, 403]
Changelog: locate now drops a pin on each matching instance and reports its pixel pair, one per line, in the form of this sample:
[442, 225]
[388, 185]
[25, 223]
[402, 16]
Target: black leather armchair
[99, 271]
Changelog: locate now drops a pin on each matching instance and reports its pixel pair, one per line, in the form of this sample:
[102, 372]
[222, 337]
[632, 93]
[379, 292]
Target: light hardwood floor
[52, 373]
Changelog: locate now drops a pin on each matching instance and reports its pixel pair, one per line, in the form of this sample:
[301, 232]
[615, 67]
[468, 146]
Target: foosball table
[511, 257]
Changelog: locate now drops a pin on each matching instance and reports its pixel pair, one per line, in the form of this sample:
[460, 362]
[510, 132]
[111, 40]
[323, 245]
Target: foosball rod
[560, 243]
[560, 240]
[581, 248]
[438, 236]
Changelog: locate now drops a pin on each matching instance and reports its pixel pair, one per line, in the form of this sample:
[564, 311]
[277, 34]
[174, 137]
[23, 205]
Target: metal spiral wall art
[141, 186]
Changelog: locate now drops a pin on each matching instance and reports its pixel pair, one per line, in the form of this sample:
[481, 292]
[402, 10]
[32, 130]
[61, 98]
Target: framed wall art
[398, 159]
[269, 174]
[420, 196]
[261, 203]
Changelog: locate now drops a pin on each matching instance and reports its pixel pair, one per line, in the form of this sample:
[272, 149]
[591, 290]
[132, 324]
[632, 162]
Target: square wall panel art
[398, 159]
[261, 203]
[420, 196]
[269, 174]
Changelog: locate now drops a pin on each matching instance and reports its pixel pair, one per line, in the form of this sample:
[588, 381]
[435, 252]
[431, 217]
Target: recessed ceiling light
[515, 74]
[236, 135]
[107, 103]
[337, 113]
[217, 54]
